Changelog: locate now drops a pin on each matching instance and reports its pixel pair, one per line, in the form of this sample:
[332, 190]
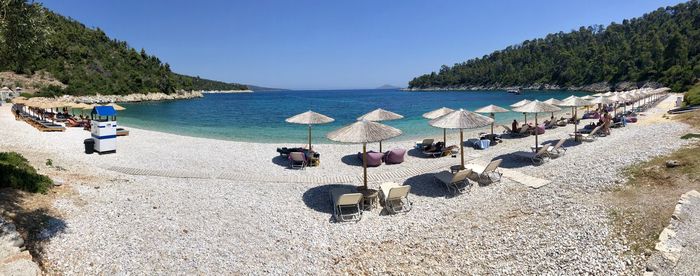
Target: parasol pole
[309, 137]
[461, 146]
[364, 163]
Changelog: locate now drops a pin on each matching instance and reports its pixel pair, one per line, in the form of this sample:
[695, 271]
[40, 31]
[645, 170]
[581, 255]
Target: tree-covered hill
[32, 38]
[662, 46]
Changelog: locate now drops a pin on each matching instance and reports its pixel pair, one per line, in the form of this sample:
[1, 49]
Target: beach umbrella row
[492, 110]
[536, 107]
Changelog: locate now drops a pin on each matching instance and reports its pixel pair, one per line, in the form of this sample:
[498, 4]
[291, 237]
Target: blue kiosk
[104, 129]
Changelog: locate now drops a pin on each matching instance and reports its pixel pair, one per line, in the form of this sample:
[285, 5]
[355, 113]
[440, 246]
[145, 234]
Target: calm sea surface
[260, 116]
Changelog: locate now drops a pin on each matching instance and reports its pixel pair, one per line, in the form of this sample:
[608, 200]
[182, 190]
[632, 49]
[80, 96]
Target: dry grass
[643, 207]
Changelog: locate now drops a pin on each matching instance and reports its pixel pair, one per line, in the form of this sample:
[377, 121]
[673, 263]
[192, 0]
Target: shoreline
[227, 91]
[591, 88]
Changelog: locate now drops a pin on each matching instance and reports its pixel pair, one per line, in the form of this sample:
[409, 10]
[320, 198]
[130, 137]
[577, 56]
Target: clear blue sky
[301, 44]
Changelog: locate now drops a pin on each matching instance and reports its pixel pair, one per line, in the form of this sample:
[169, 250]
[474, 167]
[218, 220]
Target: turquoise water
[260, 116]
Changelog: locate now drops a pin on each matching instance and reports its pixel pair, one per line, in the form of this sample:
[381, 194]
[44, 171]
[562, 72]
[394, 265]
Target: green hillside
[32, 38]
[662, 46]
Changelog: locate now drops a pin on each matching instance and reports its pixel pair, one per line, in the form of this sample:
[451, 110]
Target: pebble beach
[171, 204]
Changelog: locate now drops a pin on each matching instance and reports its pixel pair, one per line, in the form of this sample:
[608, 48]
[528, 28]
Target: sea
[259, 116]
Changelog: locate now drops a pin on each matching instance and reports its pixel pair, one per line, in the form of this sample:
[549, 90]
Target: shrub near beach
[15, 172]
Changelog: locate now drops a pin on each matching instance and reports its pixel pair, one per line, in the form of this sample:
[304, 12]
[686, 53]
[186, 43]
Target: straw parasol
[461, 119]
[437, 113]
[116, 107]
[378, 115]
[588, 97]
[491, 109]
[363, 132]
[519, 104]
[19, 100]
[573, 103]
[553, 101]
[616, 98]
[536, 107]
[309, 118]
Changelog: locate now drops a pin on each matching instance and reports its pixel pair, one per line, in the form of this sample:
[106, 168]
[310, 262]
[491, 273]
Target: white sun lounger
[457, 182]
[490, 173]
[395, 197]
[346, 204]
[538, 157]
[590, 137]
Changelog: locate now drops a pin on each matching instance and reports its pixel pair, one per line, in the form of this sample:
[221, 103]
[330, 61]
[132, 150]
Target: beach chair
[551, 125]
[538, 157]
[426, 143]
[346, 205]
[558, 149]
[490, 173]
[507, 130]
[395, 197]
[458, 182]
[590, 137]
[297, 160]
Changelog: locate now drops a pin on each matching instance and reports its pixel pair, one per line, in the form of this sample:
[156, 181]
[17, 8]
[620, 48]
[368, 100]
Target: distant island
[659, 48]
[388, 86]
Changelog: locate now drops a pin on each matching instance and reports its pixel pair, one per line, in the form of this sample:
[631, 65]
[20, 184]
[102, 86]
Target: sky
[301, 44]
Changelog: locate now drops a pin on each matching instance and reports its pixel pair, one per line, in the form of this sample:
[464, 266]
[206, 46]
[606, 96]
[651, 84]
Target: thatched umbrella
[536, 107]
[519, 104]
[437, 113]
[602, 100]
[617, 98]
[116, 107]
[491, 109]
[553, 101]
[379, 115]
[309, 118]
[574, 103]
[364, 132]
[461, 119]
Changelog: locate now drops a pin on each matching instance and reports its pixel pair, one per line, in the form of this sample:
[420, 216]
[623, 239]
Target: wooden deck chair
[458, 182]
[346, 204]
[395, 197]
[538, 157]
[490, 173]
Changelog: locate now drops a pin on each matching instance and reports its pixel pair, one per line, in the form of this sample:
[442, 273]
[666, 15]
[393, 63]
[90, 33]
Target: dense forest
[32, 38]
[662, 46]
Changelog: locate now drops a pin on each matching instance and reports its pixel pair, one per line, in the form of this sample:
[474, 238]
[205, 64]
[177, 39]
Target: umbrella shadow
[425, 185]
[568, 143]
[512, 161]
[414, 152]
[319, 199]
[352, 160]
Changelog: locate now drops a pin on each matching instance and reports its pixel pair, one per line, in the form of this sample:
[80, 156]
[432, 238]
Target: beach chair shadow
[352, 160]
[318, 198]
[568, 143]
[281, 161]
[511, 161]
[424, 185]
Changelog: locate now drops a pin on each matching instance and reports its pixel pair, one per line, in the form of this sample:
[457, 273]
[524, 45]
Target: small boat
[514, 91]
[122, 132]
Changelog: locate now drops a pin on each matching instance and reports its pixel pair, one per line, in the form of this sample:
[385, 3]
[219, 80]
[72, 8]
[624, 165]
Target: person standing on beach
[606, 122]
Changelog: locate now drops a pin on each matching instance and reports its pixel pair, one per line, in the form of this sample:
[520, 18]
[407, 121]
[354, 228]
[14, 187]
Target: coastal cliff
[137, 97]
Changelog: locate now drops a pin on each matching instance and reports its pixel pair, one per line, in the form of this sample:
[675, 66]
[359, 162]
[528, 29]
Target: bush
[692, 97]
[15, 172]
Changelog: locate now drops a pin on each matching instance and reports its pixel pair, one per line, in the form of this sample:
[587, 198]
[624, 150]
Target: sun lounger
[558, 149]
[394, 156]
[506, 130]
[395, 197]
[590, 137]
[550, 125]
[538, 157]
[490, 173]
[374, 159]
[346, 204]
[457, 182]
[297, 160]
[424, 144]
[285, 151]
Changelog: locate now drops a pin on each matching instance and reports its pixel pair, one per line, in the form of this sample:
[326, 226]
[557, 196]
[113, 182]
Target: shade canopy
[607, 94]
[491, 109]
[437, 113]
[380, 115]
[309, 118]
[363, 132]
[19, 100]
[116, 107]
[617, 98]
[568, 98]
[536, 107]
[574, 102]
[588, 97]
[461, 119]
[520, 103]
[602, 100]
[553, 101]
